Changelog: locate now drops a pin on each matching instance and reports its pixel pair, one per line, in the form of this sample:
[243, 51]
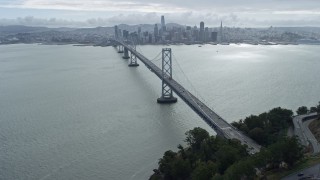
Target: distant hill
[299, 29]
[15, 29]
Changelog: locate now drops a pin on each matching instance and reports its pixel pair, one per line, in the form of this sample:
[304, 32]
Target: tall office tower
[163, 24]
[201, 34]
[214, 36]
[195, 33]
[221, 33]
[156, 33]
[139, 35]
[125, 34]
[116, 32]
[206, 34]
[119, 33]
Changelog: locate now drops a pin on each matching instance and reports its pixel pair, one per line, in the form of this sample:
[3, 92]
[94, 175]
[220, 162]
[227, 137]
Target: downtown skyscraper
[156, 33]
[163, 24]
[221, 39]
[201, 34]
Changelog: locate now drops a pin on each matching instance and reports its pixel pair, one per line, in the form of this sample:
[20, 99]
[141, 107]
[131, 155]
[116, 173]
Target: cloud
[187, 18]
[168, 6]
[51, 22]
[243, 13]
[94, 5]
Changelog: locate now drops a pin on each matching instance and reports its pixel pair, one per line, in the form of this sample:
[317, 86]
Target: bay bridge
[169, 85]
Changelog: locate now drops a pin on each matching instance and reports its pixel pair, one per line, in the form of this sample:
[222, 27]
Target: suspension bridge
[169, 85]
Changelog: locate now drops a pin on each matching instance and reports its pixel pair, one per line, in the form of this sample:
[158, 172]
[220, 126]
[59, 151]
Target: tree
[258, 135]
[195, 137]
[253, 122]
[165, 163]
[180, 168]
[244, 169]
[217, 177]
[174, 167]
[302, 110]
[241, 126]
[279, 118]
[293, 151]
[181, 151]
[226, 156]
[313, 109]
[318, 110]
[204, 171]
[287, 149]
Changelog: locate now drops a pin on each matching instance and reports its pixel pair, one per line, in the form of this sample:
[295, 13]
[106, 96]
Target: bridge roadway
[222, 127]
[301, 129]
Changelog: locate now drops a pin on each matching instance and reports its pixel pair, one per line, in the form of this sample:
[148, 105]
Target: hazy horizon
[112, 26]
[93, 13]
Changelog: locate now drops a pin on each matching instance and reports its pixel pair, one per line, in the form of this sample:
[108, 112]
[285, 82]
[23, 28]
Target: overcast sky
[92, 13]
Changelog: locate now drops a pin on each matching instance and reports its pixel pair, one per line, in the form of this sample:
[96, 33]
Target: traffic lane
[298, 130]
[313, 171]
[232, 133]
[311, 137]
[196, 103]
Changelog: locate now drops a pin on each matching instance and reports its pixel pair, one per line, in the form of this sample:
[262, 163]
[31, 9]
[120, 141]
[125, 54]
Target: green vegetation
[210, 157]
[268, 127]
[304, 110]
[304, 163]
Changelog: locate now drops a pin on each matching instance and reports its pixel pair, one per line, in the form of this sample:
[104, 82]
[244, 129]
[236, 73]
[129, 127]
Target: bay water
[69, 112]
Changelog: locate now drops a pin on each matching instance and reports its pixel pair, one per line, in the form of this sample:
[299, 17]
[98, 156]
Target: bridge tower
[120, 49]
[166, 96]
[126, 53]
[133, 58]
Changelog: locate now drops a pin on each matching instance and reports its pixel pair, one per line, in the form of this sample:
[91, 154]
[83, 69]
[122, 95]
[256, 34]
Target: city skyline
[85, 13]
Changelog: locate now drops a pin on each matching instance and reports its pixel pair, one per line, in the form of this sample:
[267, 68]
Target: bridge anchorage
[166, 96]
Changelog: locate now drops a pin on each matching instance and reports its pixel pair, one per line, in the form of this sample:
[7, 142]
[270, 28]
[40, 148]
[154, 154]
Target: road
[301, 129]
[312, 172]
[221, 126]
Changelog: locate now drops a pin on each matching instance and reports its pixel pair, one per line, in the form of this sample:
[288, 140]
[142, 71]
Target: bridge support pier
[126, 54]
[133, 60]
[120, 49]
[166, 95]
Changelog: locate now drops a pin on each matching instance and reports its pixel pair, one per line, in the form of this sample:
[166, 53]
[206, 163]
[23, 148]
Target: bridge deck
[222, 127]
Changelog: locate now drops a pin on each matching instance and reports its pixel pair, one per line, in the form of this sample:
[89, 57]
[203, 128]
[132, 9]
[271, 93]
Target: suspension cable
[184, 74]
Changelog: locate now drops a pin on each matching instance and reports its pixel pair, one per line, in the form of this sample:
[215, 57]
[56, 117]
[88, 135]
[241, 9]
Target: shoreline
[169, 44]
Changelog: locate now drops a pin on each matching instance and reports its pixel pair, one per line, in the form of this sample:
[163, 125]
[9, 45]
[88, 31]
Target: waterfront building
[163, 24]
[206, 35]
[116, 32]
[195, 33]
[221, 34]
[214, 36]
[201, 34]
[156, 32]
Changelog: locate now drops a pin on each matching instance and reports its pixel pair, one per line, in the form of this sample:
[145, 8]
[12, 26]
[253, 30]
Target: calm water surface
[81, 113]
